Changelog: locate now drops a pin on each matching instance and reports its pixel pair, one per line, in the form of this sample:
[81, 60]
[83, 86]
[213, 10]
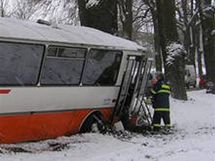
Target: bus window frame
[40, 63]
[87, 58]
[67, 58]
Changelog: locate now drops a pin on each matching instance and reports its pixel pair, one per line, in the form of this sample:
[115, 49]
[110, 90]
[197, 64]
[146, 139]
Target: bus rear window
[20, 63]
[102, 67]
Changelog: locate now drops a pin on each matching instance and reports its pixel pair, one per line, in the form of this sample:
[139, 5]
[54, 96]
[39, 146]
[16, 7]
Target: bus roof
[11, 28]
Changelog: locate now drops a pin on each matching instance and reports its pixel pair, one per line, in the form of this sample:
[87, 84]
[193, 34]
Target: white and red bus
[54, 78]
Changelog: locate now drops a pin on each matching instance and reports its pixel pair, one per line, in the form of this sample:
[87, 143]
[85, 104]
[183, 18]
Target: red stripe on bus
[33, 127]
[5, 91]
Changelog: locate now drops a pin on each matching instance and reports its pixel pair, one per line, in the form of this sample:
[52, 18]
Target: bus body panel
[37, 113]
[43, 99]
[40, 126]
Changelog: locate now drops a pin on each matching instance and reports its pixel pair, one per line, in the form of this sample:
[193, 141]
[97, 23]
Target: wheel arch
[91, 113]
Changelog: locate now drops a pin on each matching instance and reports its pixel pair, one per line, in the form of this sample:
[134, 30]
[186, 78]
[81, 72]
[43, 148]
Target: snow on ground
[193, 139]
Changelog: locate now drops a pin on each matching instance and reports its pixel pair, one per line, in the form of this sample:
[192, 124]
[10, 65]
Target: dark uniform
[160, 102]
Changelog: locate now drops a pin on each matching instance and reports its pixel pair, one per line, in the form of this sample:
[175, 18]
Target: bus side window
[102, 67]
[20, 63]
[63, 66]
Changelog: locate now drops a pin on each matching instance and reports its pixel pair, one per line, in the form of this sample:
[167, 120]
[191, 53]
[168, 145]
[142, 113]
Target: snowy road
[193, 140]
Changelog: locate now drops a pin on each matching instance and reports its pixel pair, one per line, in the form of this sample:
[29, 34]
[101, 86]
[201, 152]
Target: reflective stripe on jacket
[166, 109]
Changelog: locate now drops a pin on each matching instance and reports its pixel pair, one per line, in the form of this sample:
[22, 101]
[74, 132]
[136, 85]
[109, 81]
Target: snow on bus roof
[11, 28]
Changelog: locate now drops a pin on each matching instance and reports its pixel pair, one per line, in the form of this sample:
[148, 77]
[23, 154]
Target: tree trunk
[207, 15]
[175, 70]
[199, 60]
[158, 56]
[199, 50]
[158, 62]
[102, 15]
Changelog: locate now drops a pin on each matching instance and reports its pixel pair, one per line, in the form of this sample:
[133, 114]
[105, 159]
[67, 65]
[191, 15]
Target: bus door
[133, 68]
[137, 104]
[133, 86]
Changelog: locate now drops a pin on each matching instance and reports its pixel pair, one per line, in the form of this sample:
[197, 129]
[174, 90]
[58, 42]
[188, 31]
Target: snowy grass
[192, 140]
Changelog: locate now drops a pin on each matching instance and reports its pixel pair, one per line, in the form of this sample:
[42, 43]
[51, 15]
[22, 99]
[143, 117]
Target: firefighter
[160, 101]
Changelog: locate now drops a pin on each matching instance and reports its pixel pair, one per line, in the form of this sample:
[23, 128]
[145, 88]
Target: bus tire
[94, 123]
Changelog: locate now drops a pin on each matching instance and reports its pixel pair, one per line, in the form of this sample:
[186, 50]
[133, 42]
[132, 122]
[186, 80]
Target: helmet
[159, 75]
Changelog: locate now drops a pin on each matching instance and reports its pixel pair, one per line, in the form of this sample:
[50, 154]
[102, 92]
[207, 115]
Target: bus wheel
[94, 123]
